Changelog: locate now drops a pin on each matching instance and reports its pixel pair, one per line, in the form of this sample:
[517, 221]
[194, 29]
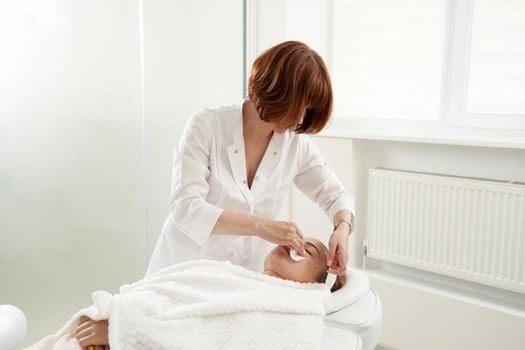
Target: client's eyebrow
[313, 245]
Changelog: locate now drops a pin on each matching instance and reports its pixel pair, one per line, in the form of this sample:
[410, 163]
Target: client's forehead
[314, 241]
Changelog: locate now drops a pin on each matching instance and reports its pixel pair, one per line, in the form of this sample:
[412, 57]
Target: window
[442, 71]
[388, 58]
[496, 69]
[433, 69]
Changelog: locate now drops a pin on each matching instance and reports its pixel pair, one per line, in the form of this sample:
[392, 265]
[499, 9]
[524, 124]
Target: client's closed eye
[311, 245]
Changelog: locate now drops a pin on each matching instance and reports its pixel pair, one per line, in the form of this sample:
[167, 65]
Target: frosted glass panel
[193, 59]
[71, 184]
[496, 76]
[387, 58]
[84, 175]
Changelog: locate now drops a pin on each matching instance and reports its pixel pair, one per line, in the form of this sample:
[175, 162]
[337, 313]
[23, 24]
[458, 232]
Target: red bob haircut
[286, 79]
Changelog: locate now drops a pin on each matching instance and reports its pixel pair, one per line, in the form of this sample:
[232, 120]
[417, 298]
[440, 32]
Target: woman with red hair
[234, 165]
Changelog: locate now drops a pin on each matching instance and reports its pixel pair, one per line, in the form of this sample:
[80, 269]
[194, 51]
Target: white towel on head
[206, 304]
[330, 280]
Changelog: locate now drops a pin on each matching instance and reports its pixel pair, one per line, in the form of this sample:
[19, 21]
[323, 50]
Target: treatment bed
[353, 318]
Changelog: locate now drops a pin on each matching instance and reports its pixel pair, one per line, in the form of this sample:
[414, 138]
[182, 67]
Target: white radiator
[473, 229]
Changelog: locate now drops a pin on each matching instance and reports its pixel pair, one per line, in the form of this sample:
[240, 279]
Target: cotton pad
[295, 256]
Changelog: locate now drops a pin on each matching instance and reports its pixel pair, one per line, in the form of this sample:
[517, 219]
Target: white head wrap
[330, 280]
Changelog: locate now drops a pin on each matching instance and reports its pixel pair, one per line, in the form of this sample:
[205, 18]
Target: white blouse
[209, 175]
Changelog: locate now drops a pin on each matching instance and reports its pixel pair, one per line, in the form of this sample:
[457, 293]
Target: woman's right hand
[283, 233]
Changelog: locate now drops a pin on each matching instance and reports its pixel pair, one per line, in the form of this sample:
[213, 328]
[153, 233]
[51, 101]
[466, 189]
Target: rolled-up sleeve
[192, 215]
[319, 183]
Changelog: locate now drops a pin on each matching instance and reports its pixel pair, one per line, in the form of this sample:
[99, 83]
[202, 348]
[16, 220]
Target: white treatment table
[353, 319]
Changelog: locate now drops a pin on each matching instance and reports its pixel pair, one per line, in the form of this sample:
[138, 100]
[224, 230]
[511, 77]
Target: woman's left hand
[91, 332]
[338, 250]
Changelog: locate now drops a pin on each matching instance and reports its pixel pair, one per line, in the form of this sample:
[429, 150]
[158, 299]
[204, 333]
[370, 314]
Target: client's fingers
[83, 322]
[83, 327]
[84, 333]
[85, 341]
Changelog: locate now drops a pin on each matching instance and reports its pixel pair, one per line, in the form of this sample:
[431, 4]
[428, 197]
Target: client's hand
[90, 332]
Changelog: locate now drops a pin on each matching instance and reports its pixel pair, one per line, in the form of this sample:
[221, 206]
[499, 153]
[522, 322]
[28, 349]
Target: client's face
[278, 262]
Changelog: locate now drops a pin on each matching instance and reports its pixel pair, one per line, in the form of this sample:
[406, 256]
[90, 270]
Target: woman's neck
[254, 126]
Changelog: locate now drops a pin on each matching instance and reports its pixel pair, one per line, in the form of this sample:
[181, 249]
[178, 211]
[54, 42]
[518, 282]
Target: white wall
[417, 314]
[421, 311]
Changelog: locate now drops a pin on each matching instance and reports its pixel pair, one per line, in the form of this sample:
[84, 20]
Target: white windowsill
[421, 137]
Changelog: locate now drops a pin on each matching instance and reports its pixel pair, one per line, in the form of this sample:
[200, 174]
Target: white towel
[206, 304]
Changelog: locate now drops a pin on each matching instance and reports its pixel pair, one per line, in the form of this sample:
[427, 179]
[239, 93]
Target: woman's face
[279, 263]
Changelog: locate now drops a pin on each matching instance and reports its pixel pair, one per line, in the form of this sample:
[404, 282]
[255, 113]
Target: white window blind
[387, 58]
[496, 69]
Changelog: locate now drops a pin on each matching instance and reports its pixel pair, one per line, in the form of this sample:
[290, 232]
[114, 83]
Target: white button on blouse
[209, 175]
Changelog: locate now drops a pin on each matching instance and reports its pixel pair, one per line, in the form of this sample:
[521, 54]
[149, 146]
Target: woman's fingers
[298, 231]
[283, 232]
[339, 262]
[332, 246]
[336, 267]
[292, 237]
[298, 246]
[302, 242]
[297, 239]
[342, 257]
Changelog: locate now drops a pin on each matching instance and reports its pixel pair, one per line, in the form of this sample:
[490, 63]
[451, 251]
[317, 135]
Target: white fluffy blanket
[206, 304]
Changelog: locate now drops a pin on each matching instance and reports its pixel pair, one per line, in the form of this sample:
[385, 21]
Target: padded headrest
[357, 284]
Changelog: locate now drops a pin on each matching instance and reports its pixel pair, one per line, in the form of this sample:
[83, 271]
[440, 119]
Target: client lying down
[209, 304]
